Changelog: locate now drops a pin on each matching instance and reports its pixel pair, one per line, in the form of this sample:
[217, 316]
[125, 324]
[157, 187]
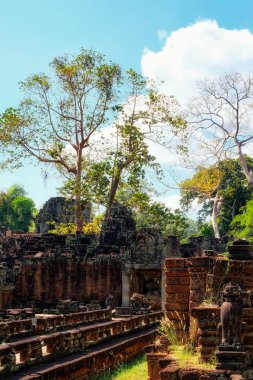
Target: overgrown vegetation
[176, 334]
[180, 344]
[134, 370]
[92, 227]
[187, 356]
[242, 224]
[17, 211]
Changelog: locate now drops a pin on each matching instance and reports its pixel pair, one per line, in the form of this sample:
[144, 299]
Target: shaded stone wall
[193, 297]
[49, 280]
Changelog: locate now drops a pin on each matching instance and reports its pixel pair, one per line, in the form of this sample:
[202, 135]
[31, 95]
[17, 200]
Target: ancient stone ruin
[78, 305]
[58, 210]
[209, 299]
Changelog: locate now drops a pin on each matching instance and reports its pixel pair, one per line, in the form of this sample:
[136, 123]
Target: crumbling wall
[48, 280]
[62, 278]
[59, 210]
[193, 295]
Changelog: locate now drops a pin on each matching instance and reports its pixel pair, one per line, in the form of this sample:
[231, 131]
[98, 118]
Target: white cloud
[171, 201]
[201, 50]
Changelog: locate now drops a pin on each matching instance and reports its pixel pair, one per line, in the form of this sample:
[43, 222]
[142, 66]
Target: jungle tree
[220, 119]
[56, 120]
[16, 209]
[221, 189]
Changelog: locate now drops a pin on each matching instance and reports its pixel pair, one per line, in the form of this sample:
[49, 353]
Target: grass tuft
[186, 356]
[134, 370]
[181, 346]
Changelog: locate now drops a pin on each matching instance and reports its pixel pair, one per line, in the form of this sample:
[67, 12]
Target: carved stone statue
[110, 302]
[231, 317]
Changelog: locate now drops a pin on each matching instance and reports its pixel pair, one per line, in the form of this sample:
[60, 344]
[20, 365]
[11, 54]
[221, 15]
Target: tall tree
[222, 116]
[222, 190]
[205, 187]
[54, 124]
[141, 119]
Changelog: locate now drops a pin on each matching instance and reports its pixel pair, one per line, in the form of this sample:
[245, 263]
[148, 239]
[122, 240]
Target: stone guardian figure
[231, 317]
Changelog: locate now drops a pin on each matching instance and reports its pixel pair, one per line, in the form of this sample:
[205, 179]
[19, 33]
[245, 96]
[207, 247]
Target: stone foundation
[47, 347]
[165, 367]
[83, 366]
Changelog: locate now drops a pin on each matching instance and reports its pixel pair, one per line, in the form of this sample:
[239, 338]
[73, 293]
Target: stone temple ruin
[74, 306]
[210, 298]
[58, 210]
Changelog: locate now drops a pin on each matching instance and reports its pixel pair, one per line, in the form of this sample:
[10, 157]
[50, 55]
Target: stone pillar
[125, 287]
[153, 364]
[163, 289]
[177, 292]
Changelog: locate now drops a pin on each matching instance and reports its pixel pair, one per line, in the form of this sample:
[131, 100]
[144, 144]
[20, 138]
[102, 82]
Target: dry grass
[181, 346]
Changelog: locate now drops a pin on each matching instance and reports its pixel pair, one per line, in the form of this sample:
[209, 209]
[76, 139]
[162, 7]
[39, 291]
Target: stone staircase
[82, 349]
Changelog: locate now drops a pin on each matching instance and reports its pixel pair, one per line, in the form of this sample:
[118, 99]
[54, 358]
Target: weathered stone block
[170, 373]
[176, 306]
[175, 263]
[172, 280]
[174, 289]
[177, 298]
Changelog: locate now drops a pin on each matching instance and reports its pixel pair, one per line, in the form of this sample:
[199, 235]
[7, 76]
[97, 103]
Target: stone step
[16, 329]
[96, 360]
[40, 349]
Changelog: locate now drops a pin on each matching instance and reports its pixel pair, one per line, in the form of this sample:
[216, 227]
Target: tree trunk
[244, 165]
[78, 203]
[113, 191]
[217, 203]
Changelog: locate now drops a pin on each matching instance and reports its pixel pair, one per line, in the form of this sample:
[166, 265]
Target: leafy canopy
[16, 209]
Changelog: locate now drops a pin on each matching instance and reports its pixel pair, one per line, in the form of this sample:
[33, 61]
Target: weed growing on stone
[176, 334]
[134, 370]
[181, 346]
[186, 356]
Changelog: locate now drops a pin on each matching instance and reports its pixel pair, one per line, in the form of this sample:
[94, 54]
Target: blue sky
[131, 33]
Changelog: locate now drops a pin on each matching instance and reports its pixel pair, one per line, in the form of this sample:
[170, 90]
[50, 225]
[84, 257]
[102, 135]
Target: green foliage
[92, 227]
[133, 370]
[16, 209]
[148, 213]
[95, 182]
[205, 229]
[54, 123]
[225, 179]
[176, 334]
[159, 216]
[180, 345]
[236, 191]
[139, 120]
[242, 224]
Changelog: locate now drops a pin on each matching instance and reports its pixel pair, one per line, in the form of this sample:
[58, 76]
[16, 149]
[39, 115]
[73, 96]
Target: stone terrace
[46, 347]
